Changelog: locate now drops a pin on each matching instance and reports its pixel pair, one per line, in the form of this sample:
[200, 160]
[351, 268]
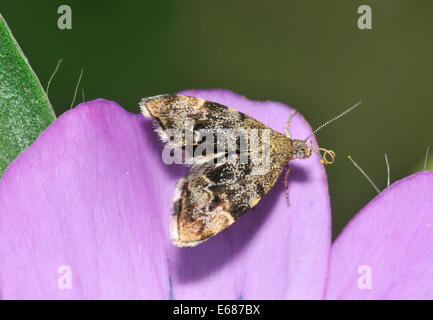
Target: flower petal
[386, 250]
[91, 199]
[274, 251]
[86, 195]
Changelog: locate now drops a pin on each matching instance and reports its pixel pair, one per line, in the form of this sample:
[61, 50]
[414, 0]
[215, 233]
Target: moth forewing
[216, 193]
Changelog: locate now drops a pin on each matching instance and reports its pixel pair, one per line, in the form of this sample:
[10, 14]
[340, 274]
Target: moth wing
[178, 117]
[211, 198]
[215, 193]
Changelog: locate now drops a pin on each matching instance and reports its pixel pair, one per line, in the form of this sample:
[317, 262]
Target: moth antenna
[333, 119]
[363, 172]
[388, 170]
[426, 157]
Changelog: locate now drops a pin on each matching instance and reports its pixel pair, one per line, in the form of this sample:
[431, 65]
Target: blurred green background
[307, 54]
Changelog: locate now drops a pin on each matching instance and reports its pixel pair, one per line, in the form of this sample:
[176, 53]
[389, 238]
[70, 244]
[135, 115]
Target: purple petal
[92, 193]
[274, 251]
[82, 195]
[386, 251]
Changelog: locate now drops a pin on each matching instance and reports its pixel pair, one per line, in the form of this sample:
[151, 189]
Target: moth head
[302, 149]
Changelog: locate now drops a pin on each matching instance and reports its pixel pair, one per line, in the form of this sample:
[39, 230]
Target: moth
[216, 193]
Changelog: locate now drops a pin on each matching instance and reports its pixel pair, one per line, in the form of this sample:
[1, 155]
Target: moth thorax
[301, 149]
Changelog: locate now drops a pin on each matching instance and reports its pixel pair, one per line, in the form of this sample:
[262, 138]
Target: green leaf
[25, 110]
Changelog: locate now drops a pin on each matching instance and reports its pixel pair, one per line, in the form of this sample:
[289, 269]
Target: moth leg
[286, 183]
[286, 129]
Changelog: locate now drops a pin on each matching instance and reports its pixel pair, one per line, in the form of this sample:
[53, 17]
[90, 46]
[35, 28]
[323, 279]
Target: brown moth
[216, 193]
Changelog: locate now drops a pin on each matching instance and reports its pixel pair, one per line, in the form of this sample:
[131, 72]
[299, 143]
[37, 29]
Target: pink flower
[84, 214]
[391, 240]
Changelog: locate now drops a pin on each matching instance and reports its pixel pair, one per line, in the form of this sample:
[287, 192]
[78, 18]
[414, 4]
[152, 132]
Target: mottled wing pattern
[213, 195]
